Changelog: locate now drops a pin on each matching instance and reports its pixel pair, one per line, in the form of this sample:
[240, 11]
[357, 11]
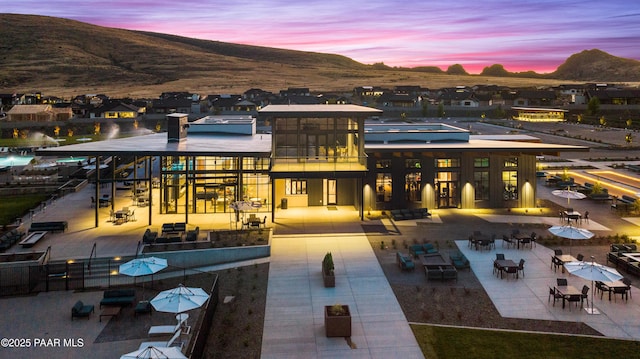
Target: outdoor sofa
[53, 226]
[118, 297]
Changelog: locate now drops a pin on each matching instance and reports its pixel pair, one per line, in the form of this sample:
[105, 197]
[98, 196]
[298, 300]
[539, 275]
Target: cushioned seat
[79, 310]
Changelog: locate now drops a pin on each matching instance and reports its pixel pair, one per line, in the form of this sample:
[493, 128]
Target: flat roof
[322, 110]
[538, 109]
[156, 145]
[478, 145]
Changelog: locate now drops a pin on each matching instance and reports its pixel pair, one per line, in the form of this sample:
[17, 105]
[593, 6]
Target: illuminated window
[383, 164]
[510, 185]
[447, 162]
[295, 186]
[511, 162]
[412, 186]
[383, 187]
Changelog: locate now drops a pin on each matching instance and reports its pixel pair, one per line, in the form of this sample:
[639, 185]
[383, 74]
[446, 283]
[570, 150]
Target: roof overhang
[156, 145]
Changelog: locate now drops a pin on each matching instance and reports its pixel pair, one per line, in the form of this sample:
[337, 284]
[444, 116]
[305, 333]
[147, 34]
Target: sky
[520, 35]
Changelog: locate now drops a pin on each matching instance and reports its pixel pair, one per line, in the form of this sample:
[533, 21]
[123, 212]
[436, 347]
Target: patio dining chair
[627, 282]
[561, 282]
[620, 290]
[553, 294]
[580, 257]
[499, 256]
[521, 266]
[601, 287]
[585, 294]
[506, 240]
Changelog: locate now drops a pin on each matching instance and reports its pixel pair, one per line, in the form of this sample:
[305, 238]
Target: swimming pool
[11, 161]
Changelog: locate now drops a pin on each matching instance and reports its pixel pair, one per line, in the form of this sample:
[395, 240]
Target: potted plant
[337, 320]
[328, 275]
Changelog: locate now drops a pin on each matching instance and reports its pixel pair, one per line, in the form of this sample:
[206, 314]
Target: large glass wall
[316, 139]
[214, 183]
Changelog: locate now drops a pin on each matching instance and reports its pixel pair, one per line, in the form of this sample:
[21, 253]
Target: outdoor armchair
[79, 310]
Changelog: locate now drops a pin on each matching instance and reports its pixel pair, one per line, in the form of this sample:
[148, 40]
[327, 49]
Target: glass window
[511, 162]
[481, 162]
[510, 185]
[295, 186]
[481, 181]
[412, 163]
[413, 185]
[447, 162]
[383, 187]
[383, 164]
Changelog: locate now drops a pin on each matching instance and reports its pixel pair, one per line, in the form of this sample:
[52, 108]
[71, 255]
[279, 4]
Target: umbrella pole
[592, 311]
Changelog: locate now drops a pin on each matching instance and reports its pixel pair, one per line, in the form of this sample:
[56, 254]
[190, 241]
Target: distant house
[458, 98]
[295, 92]
[223, 103]
[259, 97]
[535, 98]
[117, 110]
[401, 100]
[333, 99]
[38, 113]
[616, 96]
[171, 105]
[368, 91]
[245, 106]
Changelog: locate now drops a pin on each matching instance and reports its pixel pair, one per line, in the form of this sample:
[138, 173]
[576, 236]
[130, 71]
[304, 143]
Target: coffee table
[109, 312]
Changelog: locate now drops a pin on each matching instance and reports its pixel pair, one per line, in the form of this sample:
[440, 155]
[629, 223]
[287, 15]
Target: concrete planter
[337, 324]
[329, 279]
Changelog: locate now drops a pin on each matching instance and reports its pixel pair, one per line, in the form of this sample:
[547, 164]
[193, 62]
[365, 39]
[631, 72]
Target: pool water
[15, 161]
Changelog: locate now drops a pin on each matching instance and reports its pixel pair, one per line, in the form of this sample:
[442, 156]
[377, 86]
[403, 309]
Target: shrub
[327, 264]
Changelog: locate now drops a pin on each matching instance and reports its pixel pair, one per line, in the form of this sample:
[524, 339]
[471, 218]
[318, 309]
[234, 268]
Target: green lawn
[12, 207]
[445, 342]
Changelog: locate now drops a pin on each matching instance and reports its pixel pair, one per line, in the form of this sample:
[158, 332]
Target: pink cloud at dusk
[522, 36]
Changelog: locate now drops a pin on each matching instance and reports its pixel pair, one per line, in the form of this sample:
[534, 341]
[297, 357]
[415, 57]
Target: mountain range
[66, 56]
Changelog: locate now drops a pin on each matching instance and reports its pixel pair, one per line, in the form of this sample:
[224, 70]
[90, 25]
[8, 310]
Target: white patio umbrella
[142, 266]
[592, 271]
[179, 299]
[155, 353]
[239, 206]
[568, 194]
[571, 233]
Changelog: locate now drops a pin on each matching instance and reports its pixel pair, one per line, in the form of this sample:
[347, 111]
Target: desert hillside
[65, 57]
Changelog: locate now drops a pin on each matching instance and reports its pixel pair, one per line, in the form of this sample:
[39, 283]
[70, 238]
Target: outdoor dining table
[564, 258]
[520, 237]
[567, 292]
[122, 215]
[614, 285]
[506, 265]
[572, 216]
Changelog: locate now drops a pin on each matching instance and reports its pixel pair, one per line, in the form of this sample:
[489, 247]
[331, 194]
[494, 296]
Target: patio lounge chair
[169, 343]
[80, 310]
[161, 330]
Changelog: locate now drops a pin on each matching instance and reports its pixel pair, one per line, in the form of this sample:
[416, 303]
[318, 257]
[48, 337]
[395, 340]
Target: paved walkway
[294, 318]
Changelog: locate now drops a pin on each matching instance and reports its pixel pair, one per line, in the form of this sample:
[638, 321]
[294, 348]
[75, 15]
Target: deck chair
[158, 330]
[169, 343]
[161, 330]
